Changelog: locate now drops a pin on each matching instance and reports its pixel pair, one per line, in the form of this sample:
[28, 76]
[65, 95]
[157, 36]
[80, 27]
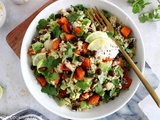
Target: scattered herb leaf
[109, 34]
[116, 82]
[83, 85]
[41, 24]
[98, 89]
[150, 15]
[51, 76]
[50, 90]
[51, 17]
[51, 62]
[106, 13]
[138, 5]
[55, 30]
[69, 52]
[72, 17]
[79, 7]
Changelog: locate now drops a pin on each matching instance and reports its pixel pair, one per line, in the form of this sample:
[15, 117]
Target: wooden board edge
[16, 47]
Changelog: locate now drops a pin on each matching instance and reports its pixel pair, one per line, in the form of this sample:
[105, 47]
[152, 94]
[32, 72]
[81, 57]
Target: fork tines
[97, 16]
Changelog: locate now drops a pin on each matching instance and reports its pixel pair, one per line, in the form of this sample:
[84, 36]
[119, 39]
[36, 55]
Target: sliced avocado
[86, 22]
[74, 95]
[84, 105]
[36, 46]
[65, 101]
[105, 66]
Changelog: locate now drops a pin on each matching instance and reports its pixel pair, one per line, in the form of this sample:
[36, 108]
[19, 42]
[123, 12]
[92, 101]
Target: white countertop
[16, 95]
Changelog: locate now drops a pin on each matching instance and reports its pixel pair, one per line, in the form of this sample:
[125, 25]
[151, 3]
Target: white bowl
[52, 105]
[2, 14]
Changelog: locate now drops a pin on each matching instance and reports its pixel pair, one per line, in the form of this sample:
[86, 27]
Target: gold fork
[97, 16]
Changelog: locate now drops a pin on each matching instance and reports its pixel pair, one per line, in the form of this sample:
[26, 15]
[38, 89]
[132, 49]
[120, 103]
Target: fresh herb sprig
[152, 15]
[138, 5]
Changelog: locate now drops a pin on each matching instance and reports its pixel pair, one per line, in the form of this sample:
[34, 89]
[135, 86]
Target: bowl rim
[4, 14]
[101, 116]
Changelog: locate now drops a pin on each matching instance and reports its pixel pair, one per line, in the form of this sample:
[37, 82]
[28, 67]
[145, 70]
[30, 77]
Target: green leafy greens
[98, 89]
[150, 15]
[51, 76]
[55, 29]
[51, 62]
[51, 17]
[79, 7]
[139, 5]
[41, 24]
[73, 17]
[70, 51]
[83, 85]
[50, 90]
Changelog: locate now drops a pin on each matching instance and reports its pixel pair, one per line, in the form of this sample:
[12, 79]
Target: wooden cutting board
[15, 37]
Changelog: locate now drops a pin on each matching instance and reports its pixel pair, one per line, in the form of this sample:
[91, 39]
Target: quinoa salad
[77, 62]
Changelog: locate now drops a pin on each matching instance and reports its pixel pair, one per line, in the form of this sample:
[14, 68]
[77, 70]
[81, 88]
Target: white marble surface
[150, 105]
[16, 95]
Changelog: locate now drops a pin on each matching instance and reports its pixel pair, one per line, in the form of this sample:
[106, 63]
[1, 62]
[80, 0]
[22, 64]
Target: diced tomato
[127, 82]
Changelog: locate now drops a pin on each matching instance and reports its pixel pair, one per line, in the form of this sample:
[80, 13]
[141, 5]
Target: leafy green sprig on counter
[138, 5]
[152, 15]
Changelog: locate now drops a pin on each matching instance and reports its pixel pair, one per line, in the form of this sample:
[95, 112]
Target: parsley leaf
[106, 13]
[69, 52]
[138, 5]
[79, 7]
[115, 32]
[109, 34]
[98, 89]
[137, 8]
[131, 1]
[51, 62]
[55, 30]
[50, 90]
[150, 15]
[41, 24]
[51, 17]
[106, 96]
[51, 76]
[83, 85]
[73, 17]
[116, 82]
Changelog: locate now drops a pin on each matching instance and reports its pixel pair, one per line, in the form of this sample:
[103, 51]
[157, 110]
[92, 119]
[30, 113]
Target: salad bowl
[2, 14]
[52, 104]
